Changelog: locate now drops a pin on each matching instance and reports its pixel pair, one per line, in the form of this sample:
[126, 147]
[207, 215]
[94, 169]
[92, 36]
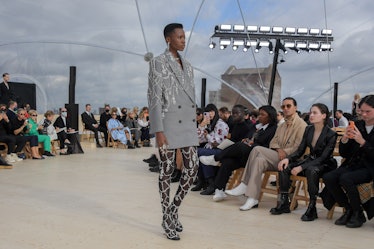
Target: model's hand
[161, 139]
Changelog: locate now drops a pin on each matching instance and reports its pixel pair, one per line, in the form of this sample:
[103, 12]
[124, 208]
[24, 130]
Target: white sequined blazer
[171, 100]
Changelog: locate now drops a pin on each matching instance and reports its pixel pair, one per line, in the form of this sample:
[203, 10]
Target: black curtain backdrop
[25, 93]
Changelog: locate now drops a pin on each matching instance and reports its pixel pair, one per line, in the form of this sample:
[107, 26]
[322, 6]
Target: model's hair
[270, 110]
[368, 99]
[293, 100]
[171, 27]
[324, 110]
[5, 74]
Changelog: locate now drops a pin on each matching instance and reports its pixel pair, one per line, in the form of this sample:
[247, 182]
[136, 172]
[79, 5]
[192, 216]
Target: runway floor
[107, 199]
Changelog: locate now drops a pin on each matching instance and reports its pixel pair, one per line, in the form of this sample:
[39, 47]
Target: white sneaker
[9, 159]
[219, 195]
[15, 157]
[239, 190]
[208, 160]
[250, 203]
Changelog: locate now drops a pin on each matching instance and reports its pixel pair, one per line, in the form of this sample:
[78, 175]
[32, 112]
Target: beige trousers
[261, 159]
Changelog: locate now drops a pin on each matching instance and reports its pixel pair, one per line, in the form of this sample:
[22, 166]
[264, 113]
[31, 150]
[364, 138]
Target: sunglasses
[288, 106]
[34, 115]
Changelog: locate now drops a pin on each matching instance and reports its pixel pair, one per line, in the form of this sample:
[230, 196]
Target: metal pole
[203, 92]
[273, 71]
[335, 107]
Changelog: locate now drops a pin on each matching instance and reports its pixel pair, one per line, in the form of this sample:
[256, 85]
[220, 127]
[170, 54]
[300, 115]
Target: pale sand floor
[107, 199]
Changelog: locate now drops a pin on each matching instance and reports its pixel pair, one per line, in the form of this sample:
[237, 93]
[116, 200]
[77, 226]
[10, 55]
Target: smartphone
[351, 126]
[206, 114]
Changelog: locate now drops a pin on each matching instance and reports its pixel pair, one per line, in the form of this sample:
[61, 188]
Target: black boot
[210, 189]
[343, 220]
[130, 145]
[283, 205]
[311, 212]
[176, 175]
[356, 220]
[152, 158]
[200, 184]
[136, 144]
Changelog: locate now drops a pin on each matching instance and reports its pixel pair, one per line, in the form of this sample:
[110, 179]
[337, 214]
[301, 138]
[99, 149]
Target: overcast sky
[41, 39]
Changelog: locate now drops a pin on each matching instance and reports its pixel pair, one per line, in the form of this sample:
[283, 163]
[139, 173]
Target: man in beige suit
[285, 141]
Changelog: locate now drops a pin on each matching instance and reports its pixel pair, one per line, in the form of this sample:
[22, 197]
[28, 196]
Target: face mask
[123, 112]
[64, 114]
[106, 110]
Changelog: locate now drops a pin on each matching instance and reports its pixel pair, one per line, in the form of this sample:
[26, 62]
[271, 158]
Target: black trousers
[312, 175]
[96, 130]
[10, 141]
[231, 158]
[62, 136]
[346, 179]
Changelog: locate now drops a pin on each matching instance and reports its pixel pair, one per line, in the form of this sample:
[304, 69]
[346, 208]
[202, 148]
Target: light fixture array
[296, 39]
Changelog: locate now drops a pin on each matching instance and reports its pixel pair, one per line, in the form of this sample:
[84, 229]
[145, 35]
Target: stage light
[222, 47]
[239, 28]
[212, 45]
[225, 42]
[265, 29]
[314, 31]
[277, 29]
[251, 43]
[225, 27]
[289, 44]
[237, 43]
[290, 30]
[281, 46]
[327, 32]
[295, 49]
[252, 28]
[264, 43]
[302, 31]
[325, 47]
[301, 45]
[313, 45]
[245, 48]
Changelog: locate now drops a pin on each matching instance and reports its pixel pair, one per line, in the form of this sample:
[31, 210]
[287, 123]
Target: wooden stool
[265, 188]
[235, 179]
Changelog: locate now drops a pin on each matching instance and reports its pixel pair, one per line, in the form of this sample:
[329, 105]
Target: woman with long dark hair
[357, 148]
[320, 140]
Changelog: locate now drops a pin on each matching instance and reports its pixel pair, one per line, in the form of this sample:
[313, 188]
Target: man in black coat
[91, 124]
[6, 93]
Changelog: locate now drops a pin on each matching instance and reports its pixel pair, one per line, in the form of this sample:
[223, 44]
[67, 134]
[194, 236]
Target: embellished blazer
[171, 100]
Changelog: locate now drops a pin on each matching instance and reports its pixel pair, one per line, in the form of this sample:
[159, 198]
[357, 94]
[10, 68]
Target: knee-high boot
[283, 205]
[311, 212]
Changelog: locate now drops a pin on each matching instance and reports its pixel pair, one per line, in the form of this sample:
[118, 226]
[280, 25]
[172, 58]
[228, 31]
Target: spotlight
[277, 30]
[235, 47]
[222, 47]
[313, 45]
[251, 43]
[281, 46]
[314, 31]
[238, 28]
[252, 28]
[264, 43]
[245, 48]
[327, 32]
[290, 30]
[265, 29]
[237, 43]
[289, 44]
[302, 31]
[258, 47]
[212, 45]
[225, 27]
[301, 45]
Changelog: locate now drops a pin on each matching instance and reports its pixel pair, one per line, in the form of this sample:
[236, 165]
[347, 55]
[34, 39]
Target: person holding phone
[357, 148]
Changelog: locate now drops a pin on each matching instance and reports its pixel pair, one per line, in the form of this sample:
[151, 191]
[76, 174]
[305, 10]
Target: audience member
[63, 126]
[91, 124]
[225, 115]
[320, 141]
[118, 131]
[48, 128]
[280, 117]
[355, 102]
[286, 140]
[12, 110]
[8, 139]
[6, 92]
[236, 155]
[216, 131]
[19, 126]
[357, 147]
[104, 118]
[33, 130]
[123, 115]
[343, 121]
[143, 121]
[132, 124]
